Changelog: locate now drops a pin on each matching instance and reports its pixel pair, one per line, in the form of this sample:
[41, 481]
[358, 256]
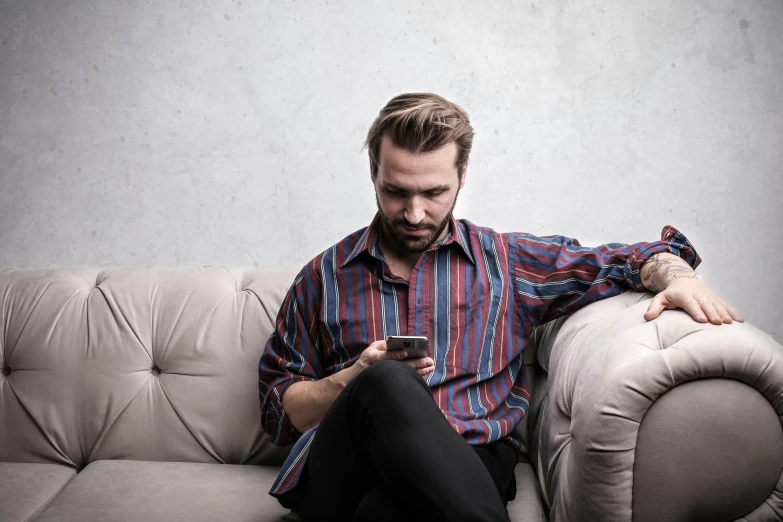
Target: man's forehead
[423, 185]
[397, 162]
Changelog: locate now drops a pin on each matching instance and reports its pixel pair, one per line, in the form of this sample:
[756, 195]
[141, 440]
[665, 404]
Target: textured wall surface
[230, 133]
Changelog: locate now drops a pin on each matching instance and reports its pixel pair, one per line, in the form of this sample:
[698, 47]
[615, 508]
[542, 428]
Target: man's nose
[414, 211]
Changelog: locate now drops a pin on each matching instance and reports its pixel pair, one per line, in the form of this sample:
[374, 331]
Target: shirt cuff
[280, 429]
[672, 241]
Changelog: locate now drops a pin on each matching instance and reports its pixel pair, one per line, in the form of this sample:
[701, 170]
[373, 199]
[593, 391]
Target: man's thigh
[339, 470]
[382, 504]
[385, 430]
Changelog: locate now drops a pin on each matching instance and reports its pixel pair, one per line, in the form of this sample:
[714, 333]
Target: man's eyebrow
[431, 189]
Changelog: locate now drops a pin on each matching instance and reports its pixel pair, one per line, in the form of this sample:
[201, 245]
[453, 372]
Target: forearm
[306, 402]
[661, 269]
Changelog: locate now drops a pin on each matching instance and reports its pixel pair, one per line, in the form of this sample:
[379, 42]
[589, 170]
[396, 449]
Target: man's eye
[435, 193]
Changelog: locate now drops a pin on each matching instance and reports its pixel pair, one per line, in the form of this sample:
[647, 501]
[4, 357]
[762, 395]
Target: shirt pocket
[479, 341]
[466, 337]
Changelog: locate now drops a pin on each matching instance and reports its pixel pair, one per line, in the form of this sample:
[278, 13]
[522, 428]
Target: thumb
[656, 307]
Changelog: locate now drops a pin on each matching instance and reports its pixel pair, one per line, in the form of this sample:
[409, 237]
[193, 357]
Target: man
[383, 437]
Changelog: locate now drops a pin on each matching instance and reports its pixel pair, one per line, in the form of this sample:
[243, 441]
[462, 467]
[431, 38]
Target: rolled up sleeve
[672, 241]
[290, 356]
[556, 275]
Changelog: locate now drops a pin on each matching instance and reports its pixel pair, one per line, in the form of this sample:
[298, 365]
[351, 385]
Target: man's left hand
[695, 297]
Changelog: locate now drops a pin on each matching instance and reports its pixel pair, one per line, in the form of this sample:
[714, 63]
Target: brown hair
[421, 122]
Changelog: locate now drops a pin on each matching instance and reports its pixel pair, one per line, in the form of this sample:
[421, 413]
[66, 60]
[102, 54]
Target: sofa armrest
[663, 420]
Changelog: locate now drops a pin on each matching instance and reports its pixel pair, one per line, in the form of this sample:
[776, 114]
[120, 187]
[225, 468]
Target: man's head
[419, 146]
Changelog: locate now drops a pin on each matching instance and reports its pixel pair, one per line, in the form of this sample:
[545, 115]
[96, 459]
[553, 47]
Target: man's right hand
[377, 352]
[306, 402]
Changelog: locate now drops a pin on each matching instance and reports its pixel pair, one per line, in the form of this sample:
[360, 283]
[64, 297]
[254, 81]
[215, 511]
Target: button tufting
[7, 371]
[155, 370]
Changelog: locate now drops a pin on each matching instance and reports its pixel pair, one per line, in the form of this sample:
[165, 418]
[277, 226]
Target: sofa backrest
[136, 363]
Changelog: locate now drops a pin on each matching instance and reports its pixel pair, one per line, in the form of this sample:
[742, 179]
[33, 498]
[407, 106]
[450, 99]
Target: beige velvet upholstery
[135, 364]
[165, 491]
[700, 476]
[26, 490]
[132, 394]
[604, 367]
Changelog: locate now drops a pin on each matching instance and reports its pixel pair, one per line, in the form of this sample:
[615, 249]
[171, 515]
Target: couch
[131, 394]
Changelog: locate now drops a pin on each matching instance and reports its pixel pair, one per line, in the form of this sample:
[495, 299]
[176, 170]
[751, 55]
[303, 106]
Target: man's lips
[414, 231]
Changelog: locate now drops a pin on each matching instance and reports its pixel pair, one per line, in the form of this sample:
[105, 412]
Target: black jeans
[385, 451]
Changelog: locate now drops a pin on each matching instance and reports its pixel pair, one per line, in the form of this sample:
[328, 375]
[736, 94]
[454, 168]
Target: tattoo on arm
[668, 269]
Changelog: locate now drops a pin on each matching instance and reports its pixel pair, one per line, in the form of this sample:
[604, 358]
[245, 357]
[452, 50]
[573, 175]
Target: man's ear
[464, 175]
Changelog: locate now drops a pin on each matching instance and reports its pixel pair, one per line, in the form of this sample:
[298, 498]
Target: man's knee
[388, 377]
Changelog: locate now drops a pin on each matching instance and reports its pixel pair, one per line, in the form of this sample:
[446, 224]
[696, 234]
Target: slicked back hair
[421, 122]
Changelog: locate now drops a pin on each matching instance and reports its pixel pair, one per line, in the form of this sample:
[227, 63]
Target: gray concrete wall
[230, 133]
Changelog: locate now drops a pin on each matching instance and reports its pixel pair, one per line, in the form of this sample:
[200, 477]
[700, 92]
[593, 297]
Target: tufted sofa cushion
[133, 363]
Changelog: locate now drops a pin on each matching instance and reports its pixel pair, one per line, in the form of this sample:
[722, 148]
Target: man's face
[416, 194]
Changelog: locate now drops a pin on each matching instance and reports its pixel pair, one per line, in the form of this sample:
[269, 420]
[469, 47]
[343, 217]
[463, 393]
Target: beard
[407, 244]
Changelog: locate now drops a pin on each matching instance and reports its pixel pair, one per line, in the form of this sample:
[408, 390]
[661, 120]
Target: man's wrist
[350, 372]
[661, 269]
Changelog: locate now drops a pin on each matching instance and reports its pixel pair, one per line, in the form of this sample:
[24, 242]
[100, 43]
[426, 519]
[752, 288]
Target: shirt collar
[368, 241]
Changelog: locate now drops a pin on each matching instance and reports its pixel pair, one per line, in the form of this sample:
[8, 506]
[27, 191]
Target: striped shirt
[477, 295]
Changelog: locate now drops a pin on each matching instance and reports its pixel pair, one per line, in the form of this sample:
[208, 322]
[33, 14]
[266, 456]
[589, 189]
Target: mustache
[403, 223]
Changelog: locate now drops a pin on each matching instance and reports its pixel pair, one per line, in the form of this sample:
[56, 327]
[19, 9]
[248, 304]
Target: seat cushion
[126, 490]
[129, 490]
[527, 506]
[27, 489]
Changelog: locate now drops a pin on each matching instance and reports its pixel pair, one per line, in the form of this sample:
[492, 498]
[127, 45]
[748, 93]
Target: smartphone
[414, 345]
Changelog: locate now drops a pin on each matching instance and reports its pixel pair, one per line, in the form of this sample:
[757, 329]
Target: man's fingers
[653, 311]
[420, 362]
[725, 317]
[427, 366]
[393, 355]
[694, 309]
[734, 313]
[710, 311]
[697, 300]
[656, 307]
